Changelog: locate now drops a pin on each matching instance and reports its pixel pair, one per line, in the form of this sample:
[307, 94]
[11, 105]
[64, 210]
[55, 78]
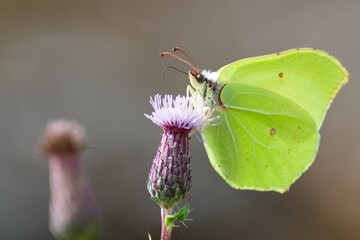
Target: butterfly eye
[200, 78]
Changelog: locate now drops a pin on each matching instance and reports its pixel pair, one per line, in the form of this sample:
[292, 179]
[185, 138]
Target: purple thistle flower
[189, 113]
[169, 178]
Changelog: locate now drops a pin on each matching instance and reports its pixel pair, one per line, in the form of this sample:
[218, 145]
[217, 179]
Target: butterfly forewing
[309, 78]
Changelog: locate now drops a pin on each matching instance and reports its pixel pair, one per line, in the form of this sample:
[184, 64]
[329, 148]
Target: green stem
[165, 230]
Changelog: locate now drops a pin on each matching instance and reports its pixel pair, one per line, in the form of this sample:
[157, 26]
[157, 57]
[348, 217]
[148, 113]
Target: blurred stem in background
[74, 213]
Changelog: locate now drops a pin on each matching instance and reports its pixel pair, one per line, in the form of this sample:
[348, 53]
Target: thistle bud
[169, 178]
[73, 211]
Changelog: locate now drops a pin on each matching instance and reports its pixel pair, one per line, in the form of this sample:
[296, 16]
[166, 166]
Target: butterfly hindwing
[263, 142]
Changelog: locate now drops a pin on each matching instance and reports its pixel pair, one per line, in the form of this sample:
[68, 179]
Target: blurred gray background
[97, 62]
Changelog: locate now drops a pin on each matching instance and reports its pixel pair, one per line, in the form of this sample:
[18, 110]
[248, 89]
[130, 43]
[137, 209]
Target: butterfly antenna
[166, 68]
[168, 54]
[186, 54]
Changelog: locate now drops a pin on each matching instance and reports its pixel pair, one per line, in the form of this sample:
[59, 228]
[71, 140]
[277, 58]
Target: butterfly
[271, 109]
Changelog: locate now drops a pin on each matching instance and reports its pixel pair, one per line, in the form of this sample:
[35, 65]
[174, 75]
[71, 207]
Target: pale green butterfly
[271, 109]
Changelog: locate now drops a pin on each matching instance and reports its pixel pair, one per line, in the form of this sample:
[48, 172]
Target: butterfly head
[208, 77]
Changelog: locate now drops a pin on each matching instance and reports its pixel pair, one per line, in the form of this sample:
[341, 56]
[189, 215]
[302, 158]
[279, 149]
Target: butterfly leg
[190, 91]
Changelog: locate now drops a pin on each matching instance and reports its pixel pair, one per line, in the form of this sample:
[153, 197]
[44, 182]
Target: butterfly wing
[264, 141]
[273, 108]
[308, 77]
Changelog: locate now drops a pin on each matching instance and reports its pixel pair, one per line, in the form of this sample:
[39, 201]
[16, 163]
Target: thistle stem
[165, 230]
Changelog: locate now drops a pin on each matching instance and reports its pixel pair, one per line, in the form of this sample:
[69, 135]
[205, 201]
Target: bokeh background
[97, 62]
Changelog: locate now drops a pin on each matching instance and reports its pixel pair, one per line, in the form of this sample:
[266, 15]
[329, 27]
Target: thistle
[169, 178]
[73, 211]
